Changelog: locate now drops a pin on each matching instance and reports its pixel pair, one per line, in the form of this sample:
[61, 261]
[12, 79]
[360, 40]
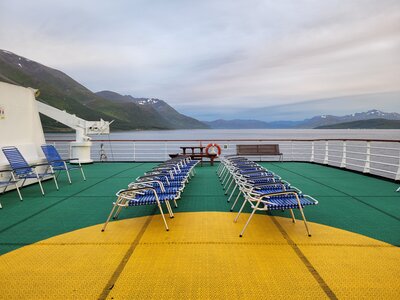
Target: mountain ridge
[156, 106]
[365, 124]
[314, 122]
[63, 92]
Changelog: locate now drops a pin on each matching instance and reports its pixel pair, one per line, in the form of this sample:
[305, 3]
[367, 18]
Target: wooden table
[198, 154]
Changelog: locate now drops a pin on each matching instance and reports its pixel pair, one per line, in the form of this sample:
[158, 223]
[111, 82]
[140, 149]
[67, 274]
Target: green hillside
[59, 90]
[156, 109]
[365, 124]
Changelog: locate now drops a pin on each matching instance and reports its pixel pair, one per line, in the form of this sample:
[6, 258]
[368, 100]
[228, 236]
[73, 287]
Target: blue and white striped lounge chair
[141, 195]
[277, 201]
[264, 190]
[59, 164]
[7, 183]
[162, 184]
[21, 170]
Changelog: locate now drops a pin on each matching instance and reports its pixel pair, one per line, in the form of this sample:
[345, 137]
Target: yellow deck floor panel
[202, 257]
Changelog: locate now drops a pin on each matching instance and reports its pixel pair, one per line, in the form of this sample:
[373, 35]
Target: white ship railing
[378, 157]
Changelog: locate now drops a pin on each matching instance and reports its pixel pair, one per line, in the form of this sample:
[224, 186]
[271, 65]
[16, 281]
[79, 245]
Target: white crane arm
[81, 126]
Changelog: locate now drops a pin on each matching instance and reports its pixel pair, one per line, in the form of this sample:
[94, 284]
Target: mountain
[157, 108]
[314, 122]
[325, 120]
[344, 105]
[365, 124]
[61, 91]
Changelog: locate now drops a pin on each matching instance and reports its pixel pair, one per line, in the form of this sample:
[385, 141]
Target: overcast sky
[214, 53]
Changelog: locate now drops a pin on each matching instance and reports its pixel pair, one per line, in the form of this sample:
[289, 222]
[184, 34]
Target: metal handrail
[337, 152]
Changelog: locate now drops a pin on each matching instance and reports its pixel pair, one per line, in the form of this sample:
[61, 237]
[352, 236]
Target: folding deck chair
[277, 201]
[138, 196]
[59, 164]
[162, 184]
[21, 170]
[262, 189]
[7, 183]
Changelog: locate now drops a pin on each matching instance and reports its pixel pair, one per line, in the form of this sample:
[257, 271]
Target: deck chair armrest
[30, 166]
[59, 160]
[150, 176]
[259, 186]
[252, 172]
[278, 194]
[256, 185]
[248, 175]
[134, 190]
[162, 168]
[153, 173]
[147, 176]
[161, 185]
[39, 165]
[168, 165]
[261, 177]
[154, 177]
[1, 171]
[311, 198]
[65, 160]
[296, 189]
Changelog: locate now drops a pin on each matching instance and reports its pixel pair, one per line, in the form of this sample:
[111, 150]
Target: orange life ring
[209, 146]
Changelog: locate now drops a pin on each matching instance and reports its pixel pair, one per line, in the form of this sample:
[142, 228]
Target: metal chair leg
[233, 191]
[66, 169]
[302, 214]
[240, 210]
[109, 216]
[18, 191]
[162, 215]
[41, 188]
[55, 181]
[83, 173]
[292, 215]
[169, 208]
[119, 209]
[236, 200]
[229, 186]
[249, 219]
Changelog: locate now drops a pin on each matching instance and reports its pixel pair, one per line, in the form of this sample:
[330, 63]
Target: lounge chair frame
[58, 164]
[21, 170]
[6, 184]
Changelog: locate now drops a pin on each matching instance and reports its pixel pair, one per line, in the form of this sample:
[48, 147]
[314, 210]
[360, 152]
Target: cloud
[213, 53]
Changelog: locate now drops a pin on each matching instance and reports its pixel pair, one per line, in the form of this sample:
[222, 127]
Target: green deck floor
[347, 200]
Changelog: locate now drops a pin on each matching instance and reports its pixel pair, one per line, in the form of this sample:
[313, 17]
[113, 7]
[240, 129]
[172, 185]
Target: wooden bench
[259, 150]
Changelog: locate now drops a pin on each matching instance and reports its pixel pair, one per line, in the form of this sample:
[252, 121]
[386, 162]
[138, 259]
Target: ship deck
[52, 247]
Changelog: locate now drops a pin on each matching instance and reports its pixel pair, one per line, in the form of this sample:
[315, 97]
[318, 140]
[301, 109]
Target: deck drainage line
[321, 282]
[62, 200]
[121, 266]
[335, 189]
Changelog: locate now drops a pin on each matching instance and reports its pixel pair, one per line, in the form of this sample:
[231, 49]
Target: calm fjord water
[222, 134]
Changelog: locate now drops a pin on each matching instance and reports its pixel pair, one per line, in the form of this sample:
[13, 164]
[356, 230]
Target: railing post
[368, 158]
[291, 150]
[312, 152]
[326, 158]
[344, 154]
[134, 151]
[398, 171]
[165, 150]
